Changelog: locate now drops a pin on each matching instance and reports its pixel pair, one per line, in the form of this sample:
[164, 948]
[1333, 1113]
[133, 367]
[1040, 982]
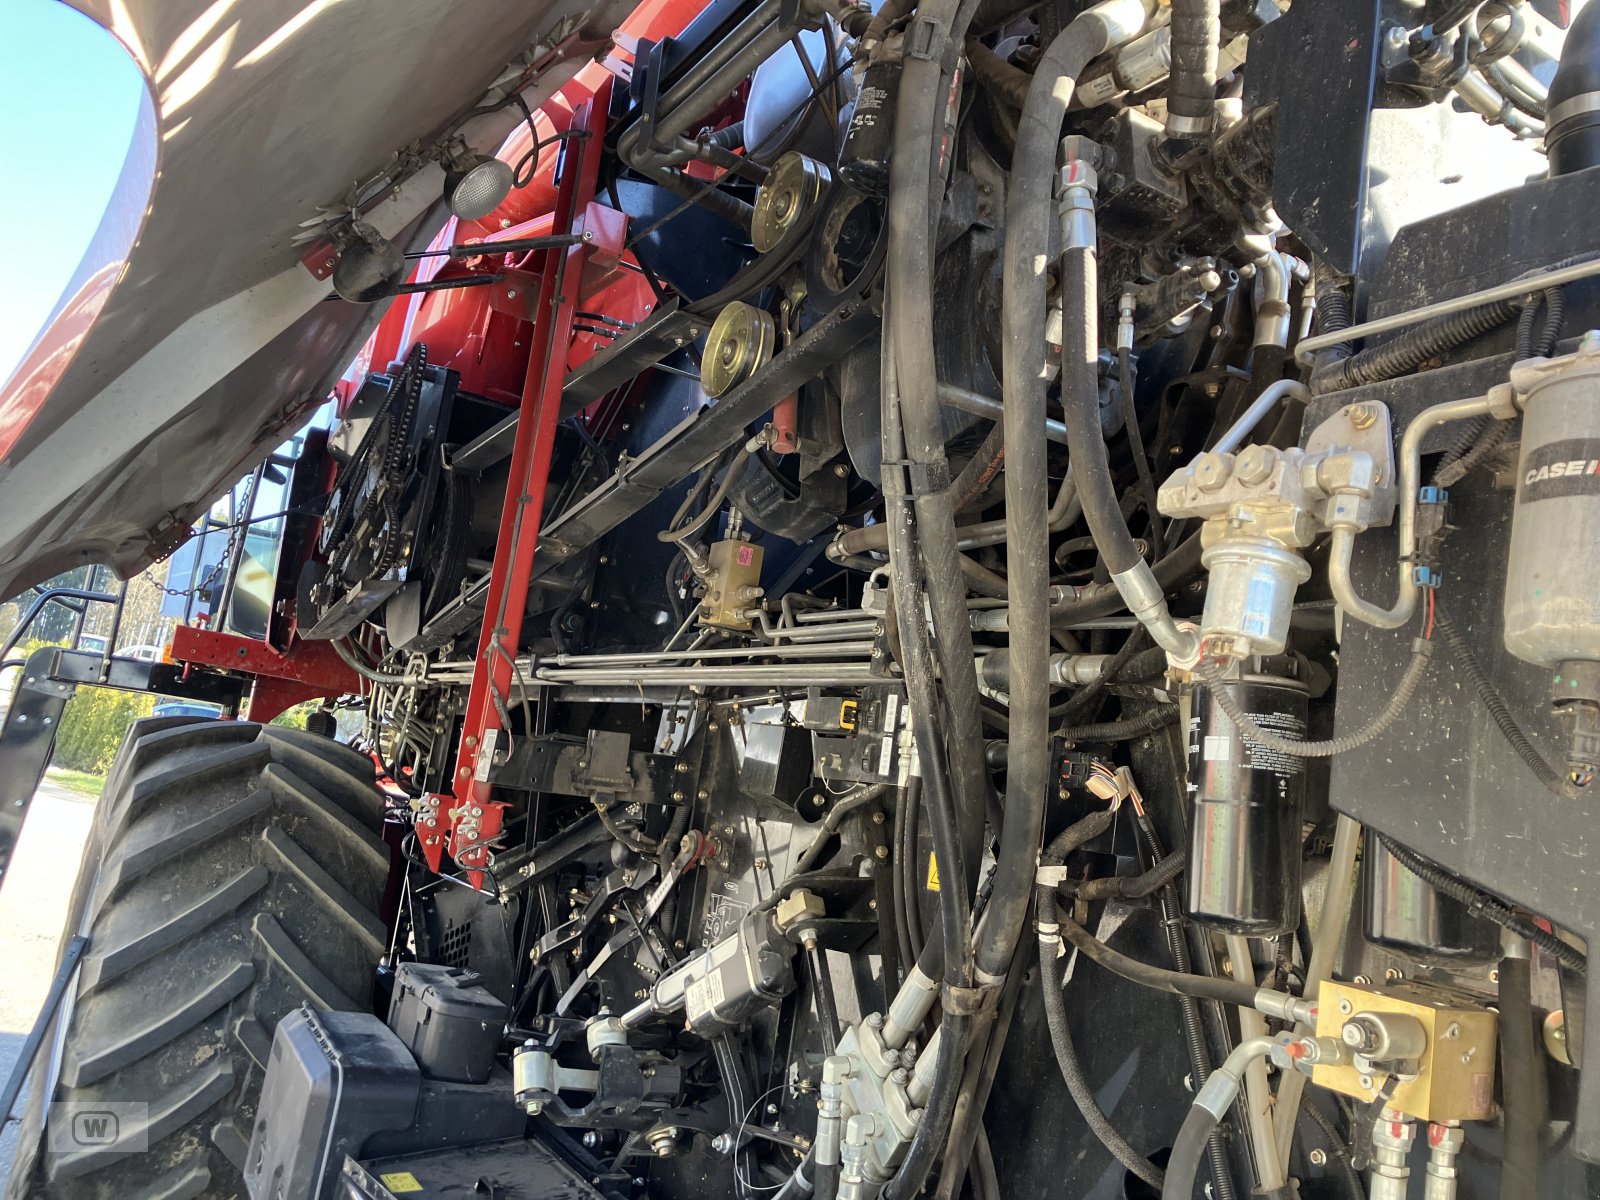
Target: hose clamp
[1574, 106]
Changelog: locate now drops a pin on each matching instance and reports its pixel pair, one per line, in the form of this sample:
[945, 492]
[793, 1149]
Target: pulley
[788, 199]
[740, 343]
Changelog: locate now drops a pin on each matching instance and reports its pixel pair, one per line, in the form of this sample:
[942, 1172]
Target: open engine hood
[162, 376]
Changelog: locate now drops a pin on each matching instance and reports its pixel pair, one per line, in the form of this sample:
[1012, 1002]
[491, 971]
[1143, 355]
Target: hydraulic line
[1201, 987]
[1338, 1150]
[1078, 1085]
[1027, 249]
[1213, 1100]
[944, 824]
[1326, 943]
[1413, 347]
[1192, 91]
[1522, 1078]
[916, 186]
[1194, 1031]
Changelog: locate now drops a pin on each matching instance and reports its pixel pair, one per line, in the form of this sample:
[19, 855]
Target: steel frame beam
[466, 823]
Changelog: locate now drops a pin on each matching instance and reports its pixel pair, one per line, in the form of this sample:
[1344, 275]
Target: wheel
[234, 872]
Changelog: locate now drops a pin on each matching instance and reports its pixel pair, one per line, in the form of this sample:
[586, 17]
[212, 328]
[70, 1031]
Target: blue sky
[69, 96]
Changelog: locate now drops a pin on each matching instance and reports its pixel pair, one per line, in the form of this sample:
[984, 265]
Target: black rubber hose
[1122, 731]
[1103, 599]
[1484, 905]
[1194, 1135]
[1414, 347]
[1078, 1085]
[827, 1005]
[1192, 90]
[981, 469]
[825, 1185]
[1527, 331]
[1133, 887]
[801, 1183]
[1573, 141]
[1451, 473]
[1494, 704]
[1029, 207]
[1141, 460]
[1194, 1030]
[1522, 1082]
[915, 186]
[1201, 987]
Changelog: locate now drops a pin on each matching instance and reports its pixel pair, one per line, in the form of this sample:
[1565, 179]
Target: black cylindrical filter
[1406, 915]
[864, 157]
[1244, 843]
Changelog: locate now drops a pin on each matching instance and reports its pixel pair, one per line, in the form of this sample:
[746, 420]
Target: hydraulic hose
[1572, 135]
[1027, 249]
[1192, 89]
[1201, 987]
[916, 187]
[1222, 692]
[1522, 1079]
[1210, 1103]
[1078, 1085]
[1135, 887]
[922, 693]
[1194, 1030]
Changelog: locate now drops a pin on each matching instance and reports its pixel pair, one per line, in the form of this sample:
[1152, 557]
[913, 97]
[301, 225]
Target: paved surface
[33, 908]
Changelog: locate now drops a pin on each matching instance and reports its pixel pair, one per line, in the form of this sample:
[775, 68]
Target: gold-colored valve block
[740, 343]
[1448, 1039]
[732, 582]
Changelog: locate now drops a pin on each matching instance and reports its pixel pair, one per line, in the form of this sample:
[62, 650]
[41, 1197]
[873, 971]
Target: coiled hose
[1124, 730]
[1412, 348]
[1484, 905]
[1222, 690]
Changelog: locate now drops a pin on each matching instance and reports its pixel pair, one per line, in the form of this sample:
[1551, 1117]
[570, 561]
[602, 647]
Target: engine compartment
[997, 598]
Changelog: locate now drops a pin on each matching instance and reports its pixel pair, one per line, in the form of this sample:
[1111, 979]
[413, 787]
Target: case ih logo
[1570, 467]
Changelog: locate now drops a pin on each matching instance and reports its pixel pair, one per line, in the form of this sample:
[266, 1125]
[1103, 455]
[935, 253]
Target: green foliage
[295, 718]
[94, 725]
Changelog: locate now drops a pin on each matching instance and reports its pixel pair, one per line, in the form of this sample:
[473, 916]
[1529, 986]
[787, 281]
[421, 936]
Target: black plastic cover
[448, 1019]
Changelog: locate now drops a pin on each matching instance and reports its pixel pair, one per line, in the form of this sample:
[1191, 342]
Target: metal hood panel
[155, 385]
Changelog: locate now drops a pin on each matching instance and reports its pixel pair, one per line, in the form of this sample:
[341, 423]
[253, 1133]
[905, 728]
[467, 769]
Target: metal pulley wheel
[740, 343]
[788, 199]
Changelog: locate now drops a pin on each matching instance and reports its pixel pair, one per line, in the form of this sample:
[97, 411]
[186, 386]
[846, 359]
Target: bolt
[1363, 416]
[1452, 1031]
[881, 853]
[682, 768]
[1366, 1083]
[1392, 974]
[1256, 464]
[533, 1108]
[1211, 470]
[1363, 980]
[591, 1139]
[1318, 1157]
[761, 864]
[877, 818]
[1345, 1006]
[1494, 975]
[722, 1143]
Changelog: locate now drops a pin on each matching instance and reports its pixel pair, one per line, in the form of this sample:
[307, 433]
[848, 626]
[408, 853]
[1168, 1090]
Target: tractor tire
[234, 872]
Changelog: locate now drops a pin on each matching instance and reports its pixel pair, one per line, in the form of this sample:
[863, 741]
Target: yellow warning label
[933, 873]
[401, 1181]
